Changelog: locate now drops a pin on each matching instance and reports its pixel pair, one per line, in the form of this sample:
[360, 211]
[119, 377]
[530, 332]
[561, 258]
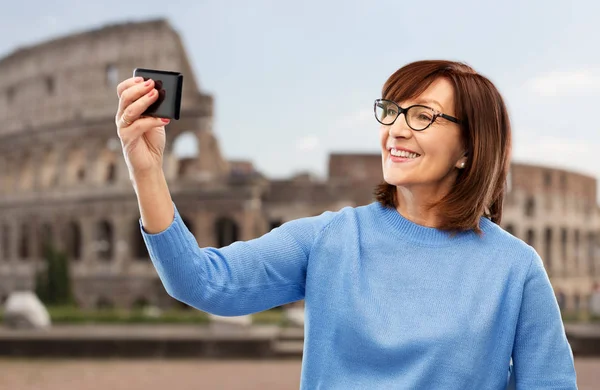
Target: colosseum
[63, 180]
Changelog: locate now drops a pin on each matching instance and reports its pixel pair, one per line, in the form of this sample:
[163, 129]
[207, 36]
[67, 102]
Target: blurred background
[276, 124]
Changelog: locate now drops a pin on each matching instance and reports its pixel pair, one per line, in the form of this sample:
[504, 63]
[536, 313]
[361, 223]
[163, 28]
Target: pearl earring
[462, 164]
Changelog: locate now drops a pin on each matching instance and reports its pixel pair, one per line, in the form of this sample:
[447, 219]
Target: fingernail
[138, 79]
[147, 83]
[151, 93]
[165, 120]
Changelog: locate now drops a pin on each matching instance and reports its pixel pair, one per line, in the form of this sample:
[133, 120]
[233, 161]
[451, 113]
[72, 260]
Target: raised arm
[242, 278]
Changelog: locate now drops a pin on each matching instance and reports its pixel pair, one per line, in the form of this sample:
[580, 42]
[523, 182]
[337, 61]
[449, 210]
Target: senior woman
[421, 289]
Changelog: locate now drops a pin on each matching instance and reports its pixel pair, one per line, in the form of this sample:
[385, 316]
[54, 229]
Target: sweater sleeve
[542, 356]
[241, 278]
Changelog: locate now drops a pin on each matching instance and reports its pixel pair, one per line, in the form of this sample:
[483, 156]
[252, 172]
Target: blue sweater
[390, 304]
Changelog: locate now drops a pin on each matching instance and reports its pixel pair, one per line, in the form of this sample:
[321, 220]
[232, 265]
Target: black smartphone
[169, 85]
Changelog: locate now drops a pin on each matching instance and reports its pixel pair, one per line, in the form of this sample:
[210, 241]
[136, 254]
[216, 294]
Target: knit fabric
[389, 304]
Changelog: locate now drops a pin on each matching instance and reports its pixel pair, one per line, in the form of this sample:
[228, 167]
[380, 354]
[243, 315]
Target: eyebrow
[429, 101]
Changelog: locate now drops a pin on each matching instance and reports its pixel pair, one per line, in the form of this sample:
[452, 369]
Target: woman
[419, 290]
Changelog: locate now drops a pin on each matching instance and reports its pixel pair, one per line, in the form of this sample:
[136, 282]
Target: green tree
[53, 284]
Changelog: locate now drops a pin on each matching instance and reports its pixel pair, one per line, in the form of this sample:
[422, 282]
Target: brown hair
[479, 188]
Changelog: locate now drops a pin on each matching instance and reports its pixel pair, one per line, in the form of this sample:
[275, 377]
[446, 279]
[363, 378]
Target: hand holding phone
[169, 85]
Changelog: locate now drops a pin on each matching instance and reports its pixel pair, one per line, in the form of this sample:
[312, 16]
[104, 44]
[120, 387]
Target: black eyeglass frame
[401, 110]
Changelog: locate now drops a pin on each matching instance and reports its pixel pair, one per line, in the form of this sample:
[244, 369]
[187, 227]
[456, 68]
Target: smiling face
[439, 148]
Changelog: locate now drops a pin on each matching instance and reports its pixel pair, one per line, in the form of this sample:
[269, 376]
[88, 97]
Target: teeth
[402, 153]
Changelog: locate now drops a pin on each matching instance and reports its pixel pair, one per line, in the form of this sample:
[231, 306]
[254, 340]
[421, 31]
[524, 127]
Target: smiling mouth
[403, 154]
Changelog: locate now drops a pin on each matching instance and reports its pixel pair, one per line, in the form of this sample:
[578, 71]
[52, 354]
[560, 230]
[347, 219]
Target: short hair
[480, 187]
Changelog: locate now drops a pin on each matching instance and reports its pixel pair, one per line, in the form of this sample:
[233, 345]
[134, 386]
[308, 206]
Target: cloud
[308, 143]
[565, 83]
[558, 152]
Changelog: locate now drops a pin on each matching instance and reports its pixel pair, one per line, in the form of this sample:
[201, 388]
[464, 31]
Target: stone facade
[63, 179]
[556, 212]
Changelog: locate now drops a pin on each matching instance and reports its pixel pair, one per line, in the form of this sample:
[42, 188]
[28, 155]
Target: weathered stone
[23, 310]
[295, 315]
[229, 323]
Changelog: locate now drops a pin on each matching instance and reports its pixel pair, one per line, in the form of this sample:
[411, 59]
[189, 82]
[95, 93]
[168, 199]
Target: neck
[412, 205]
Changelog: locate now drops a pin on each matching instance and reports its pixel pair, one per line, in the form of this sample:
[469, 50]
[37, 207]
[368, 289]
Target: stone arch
[75, 165]
[108, 167]
[577, 302]
[50, 85]
[563, 247]
[140, 303]
[24, 238]
[561, 299]
[104, 240]
[111, 172]
[4, 172]
[591, 249]
[73, 240]
[10, 176]
[530, 207]
[45, 239]
[104, 303]
[577, 249]
[227, 231]
[26, 172]
[548, 179]
[186, 145]
[111, 75]
[5, 243]
[530, 237]
[48, 170]
[548, 245]
[186, 149]
[139, 251]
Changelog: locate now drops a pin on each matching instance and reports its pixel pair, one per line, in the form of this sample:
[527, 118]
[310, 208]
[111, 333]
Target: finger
[133, 93]
[133, 111]
[139, 127]
[123, 85]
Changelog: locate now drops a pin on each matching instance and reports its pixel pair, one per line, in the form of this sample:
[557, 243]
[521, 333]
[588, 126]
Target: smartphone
[169, 85]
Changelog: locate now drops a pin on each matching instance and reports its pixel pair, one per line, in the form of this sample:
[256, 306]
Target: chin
[396, 179]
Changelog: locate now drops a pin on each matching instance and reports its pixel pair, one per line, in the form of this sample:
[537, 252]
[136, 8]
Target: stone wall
[63, 178]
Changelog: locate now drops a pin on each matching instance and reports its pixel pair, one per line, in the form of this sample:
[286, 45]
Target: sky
[295, 81]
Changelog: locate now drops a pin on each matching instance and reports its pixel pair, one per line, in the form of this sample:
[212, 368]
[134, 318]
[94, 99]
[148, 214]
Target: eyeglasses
[417, 117]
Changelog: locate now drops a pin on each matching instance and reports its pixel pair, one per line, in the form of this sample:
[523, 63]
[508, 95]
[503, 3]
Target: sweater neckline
[425, 235]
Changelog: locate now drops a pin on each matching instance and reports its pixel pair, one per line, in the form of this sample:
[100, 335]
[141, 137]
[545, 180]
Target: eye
[392, 112]
[424, 117]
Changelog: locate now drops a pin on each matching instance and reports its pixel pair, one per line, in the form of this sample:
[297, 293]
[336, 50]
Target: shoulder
[495, 235]
[332, 219]
[519, 254]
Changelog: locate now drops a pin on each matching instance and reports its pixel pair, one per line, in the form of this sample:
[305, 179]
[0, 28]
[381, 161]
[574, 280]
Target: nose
[400, 128]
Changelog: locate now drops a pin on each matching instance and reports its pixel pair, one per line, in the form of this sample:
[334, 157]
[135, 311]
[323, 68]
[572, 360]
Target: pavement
[190, 374]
